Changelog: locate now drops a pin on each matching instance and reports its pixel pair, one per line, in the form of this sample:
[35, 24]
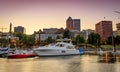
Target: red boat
[21, 55]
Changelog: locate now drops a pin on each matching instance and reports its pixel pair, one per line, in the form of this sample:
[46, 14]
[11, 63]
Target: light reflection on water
[85, 63]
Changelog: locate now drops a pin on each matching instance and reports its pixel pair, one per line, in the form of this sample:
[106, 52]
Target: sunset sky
[39, 14]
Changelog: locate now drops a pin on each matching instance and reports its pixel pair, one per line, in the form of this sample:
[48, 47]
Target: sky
[39, 14]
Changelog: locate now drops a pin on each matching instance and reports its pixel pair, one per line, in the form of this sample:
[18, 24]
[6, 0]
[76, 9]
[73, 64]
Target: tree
[109, 40]
[49, 40]
[17, 34]
[58, 37]
[66, 33]
[117, 40]
[79, 39]
[74, 40]
[12, 46]
[3, 42]
[94, 39]
[28, 40]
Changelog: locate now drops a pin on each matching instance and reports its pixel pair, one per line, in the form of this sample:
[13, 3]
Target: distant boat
[21, 54]
[3, 52]
[58, 49]
[101, 52]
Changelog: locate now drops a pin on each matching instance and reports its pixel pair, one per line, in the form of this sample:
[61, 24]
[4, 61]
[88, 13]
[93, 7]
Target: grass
[118, 46]
[109, 46]
[106, 46]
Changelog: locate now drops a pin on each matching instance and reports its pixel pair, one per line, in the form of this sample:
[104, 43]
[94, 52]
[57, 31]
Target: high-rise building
[118, 28]
[73, 24]
[76, 24]
[104, 29]
[69, 23]
[19, 29]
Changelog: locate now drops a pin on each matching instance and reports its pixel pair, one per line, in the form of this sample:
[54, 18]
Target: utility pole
[113, 43]
[114, 49]
[97, 47]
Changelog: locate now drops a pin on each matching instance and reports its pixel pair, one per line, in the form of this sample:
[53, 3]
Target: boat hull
[4, 55]
[3, 52]
[21, 55]
[50, 52]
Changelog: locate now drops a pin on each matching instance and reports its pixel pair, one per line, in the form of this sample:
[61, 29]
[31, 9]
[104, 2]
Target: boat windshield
[70, 47]
[60, 45]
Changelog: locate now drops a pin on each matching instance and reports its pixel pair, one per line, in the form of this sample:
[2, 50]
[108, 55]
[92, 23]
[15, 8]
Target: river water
[84, 63]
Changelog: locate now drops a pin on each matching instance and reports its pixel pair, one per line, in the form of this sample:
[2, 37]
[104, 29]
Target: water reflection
[109, 58]
[84, 63]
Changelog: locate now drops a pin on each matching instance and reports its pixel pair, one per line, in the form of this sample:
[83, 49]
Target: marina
[59, 36]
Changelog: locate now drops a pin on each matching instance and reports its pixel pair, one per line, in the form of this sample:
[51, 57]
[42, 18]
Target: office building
[19, 29]
[73, 24]
[104, 29]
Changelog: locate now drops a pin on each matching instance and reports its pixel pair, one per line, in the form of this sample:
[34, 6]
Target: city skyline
[39, 14]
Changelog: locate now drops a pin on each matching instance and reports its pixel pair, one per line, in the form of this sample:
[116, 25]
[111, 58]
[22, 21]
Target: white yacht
[58, 49]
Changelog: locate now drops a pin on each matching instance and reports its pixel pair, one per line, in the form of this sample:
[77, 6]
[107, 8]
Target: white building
[86, 32]
[43, 35]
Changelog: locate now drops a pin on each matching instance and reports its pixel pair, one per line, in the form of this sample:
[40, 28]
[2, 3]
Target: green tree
[74, 40]
[25, 40]
[66, 33]
[17, 34]
[117, 40]
[3, 42]
[94, 39]
[49, 40]
[28, 40]
[58, 37]
[79, 39]
[12, 46]
[109, 40]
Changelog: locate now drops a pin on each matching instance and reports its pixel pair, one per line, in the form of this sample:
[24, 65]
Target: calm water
[84, 63]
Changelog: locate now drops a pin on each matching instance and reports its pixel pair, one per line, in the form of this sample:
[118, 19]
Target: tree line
[27, 41]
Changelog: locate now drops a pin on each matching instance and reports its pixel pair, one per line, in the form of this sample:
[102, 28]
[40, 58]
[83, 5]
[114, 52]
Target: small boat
[3, 52]
[58, 49]
[21, 54]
